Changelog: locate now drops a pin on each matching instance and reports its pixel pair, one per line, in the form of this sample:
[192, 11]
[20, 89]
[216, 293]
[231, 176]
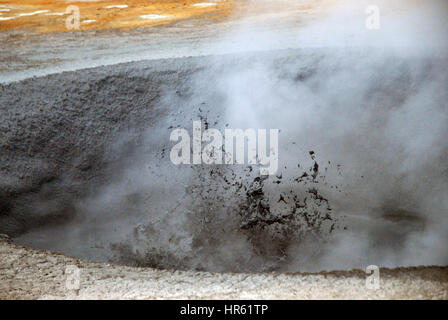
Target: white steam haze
[376, 102]
[371, 104]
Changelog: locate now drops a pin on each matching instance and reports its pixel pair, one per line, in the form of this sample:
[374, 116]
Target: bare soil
[37, 274]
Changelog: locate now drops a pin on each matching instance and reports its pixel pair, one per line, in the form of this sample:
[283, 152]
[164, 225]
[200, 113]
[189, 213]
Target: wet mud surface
[85, 166]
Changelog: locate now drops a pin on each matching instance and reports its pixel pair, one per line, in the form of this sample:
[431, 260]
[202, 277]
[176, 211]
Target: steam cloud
[371, 105]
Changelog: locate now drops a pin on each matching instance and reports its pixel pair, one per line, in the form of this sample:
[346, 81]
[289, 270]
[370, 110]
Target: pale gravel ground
[36, 274]
[25, 57]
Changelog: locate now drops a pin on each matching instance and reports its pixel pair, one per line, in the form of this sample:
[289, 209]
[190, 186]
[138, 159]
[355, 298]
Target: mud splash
[85, 165]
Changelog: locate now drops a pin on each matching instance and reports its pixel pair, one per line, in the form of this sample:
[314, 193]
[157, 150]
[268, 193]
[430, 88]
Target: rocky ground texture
[36, 274]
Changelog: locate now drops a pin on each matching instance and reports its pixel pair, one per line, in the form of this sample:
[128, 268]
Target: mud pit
[85, 166]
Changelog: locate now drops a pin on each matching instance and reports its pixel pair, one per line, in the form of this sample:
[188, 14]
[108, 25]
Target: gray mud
[85, 166]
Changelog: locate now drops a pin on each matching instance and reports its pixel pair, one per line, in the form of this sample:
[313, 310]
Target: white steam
[373, 103]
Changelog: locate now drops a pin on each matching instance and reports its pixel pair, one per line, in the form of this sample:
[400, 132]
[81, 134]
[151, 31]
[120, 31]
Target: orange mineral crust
[44, 16]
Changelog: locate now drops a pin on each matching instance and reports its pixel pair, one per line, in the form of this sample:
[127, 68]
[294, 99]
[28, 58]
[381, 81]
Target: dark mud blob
[5, 237]
[224, 202]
